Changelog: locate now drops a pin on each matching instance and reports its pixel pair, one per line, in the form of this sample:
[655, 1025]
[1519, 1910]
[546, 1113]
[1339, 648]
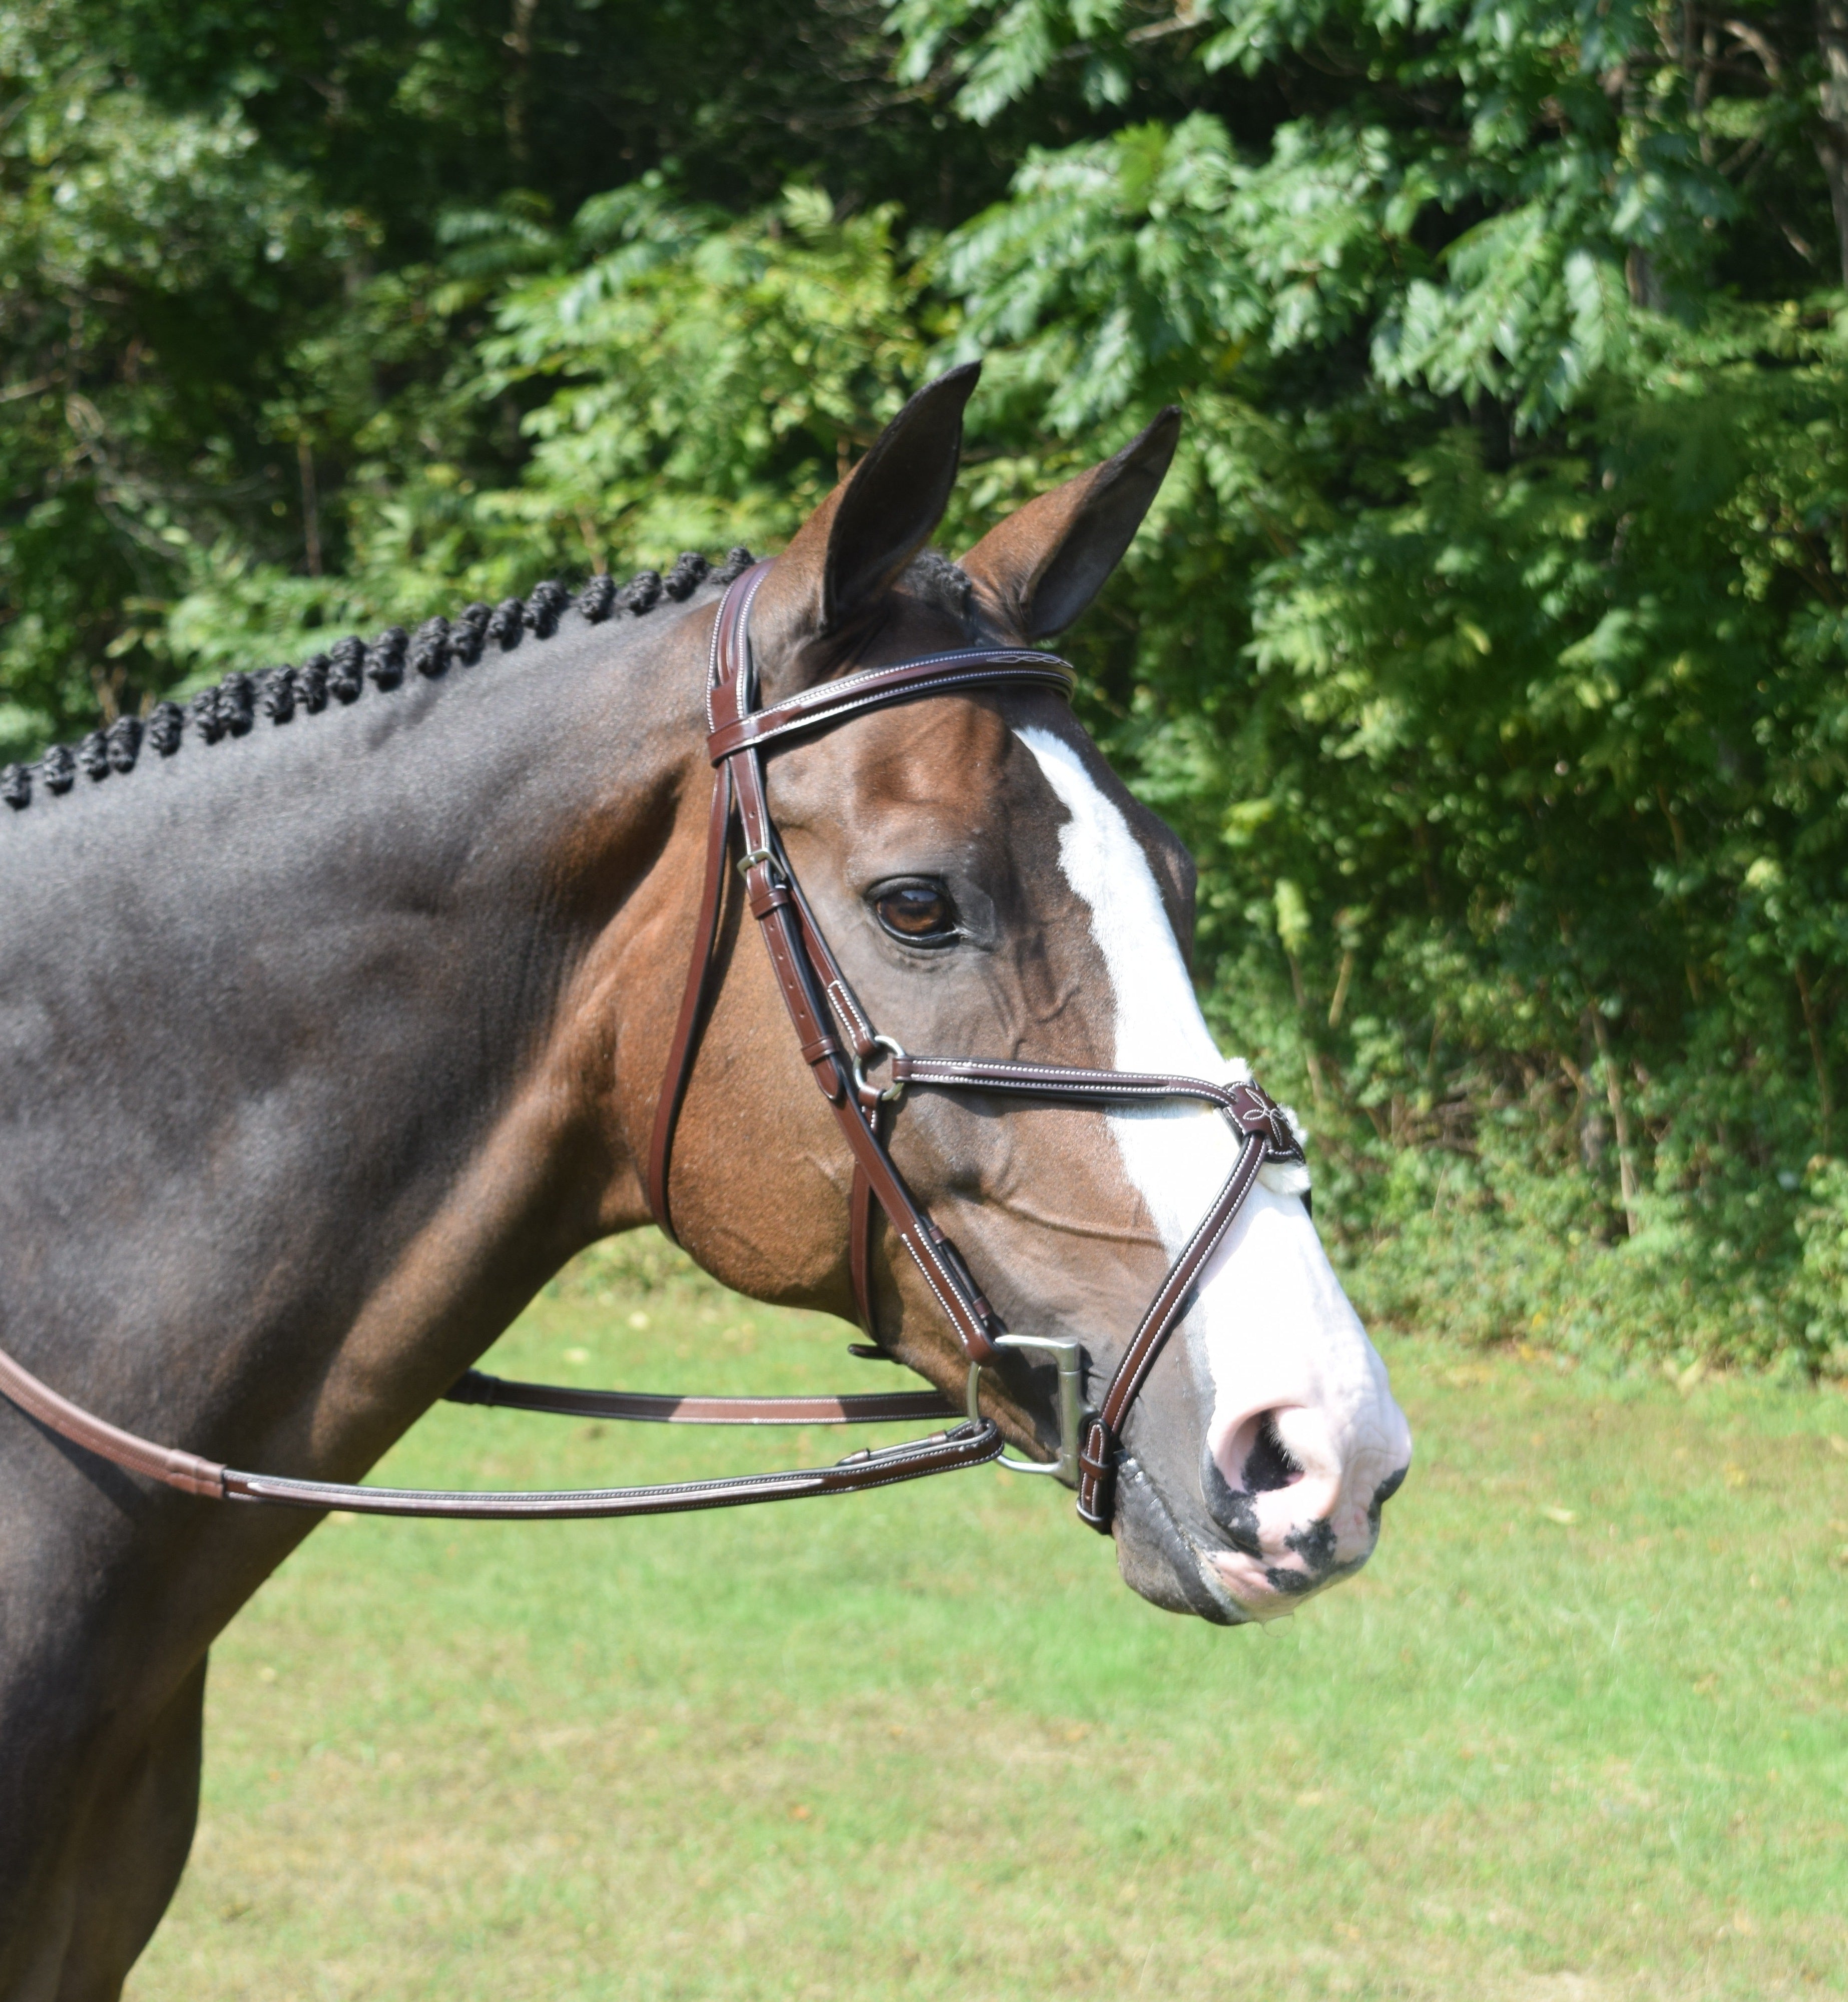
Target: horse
[333, 1013]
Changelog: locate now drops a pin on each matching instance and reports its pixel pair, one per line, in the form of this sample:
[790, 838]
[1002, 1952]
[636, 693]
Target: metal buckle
[751, 857]
[869, 1093]
[1073, 1414]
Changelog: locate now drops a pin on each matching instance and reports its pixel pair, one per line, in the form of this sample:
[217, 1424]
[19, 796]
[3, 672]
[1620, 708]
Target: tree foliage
[1487, 643]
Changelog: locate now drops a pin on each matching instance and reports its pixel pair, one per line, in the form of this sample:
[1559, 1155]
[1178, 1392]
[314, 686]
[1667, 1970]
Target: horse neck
[286, 1141]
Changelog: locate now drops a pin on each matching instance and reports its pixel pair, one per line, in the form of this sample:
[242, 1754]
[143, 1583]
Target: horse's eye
[919, 913]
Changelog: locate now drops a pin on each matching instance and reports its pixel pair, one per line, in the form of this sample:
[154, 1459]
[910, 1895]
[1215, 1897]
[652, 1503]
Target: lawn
[1578, 1731]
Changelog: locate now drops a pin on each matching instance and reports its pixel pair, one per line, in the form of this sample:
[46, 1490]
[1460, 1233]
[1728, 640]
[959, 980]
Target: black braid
[236, 708]
[385, 657]
[202, 713]
[542, 608]
[466, 635]
[686, 577]
[346, 669]
[507, 623]
[642, 593]
[230, 709]
[430, 649]
[123, 738]
[277, 695]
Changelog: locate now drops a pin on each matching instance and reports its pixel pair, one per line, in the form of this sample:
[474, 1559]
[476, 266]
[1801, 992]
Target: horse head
[295, 1122]
[990, 888]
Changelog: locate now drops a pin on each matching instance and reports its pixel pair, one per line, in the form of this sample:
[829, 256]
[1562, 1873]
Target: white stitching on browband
[1145, 1084]
[789, 722]
[986, 656]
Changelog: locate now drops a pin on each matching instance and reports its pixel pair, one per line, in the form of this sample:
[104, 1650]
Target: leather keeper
[1097, 1477]
[192, 1475]
[1097, 1456]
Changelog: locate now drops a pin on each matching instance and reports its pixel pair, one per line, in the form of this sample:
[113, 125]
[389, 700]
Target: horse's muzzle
[1297, 1495]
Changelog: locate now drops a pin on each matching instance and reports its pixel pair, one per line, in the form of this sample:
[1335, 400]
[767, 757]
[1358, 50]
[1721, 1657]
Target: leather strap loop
[859, 1250]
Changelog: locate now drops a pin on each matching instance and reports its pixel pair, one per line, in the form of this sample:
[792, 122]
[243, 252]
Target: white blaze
[1278, 1334]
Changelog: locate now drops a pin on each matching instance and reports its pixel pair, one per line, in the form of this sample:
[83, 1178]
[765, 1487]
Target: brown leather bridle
[840, 1046]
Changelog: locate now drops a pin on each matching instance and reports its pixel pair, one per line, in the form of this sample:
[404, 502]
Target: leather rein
[840, 1046]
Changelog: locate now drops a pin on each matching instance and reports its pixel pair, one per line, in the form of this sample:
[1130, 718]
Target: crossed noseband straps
[841, 1046]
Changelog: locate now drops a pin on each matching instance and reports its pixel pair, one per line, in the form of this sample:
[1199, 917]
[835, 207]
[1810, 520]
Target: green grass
[1577, 1731]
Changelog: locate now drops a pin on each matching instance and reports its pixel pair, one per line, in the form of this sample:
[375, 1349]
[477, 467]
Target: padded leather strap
[1252, 1109]
[893, 1408]
[878, 687]
[733, 609]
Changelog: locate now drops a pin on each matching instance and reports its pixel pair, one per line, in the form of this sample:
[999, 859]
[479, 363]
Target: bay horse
[323, 1046]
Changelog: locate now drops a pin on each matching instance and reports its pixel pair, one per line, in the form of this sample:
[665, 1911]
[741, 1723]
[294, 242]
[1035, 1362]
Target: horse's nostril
[1271, 1464]
[1254, 1462]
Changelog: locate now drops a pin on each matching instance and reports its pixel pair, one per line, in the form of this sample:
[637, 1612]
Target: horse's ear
[853, 547]
[887, 507]
[1045, 564]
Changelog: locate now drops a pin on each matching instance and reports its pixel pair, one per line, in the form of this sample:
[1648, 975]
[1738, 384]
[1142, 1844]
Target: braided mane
[230, 709]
